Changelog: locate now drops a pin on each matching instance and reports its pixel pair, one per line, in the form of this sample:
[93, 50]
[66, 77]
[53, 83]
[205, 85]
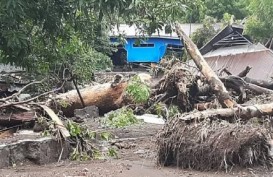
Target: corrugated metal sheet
[260, 61]
[234, 50]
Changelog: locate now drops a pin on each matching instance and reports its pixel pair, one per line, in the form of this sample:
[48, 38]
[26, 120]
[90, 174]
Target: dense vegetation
[44, 36]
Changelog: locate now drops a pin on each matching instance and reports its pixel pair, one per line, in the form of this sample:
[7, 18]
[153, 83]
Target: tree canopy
[259, 24]
[37, 34]
[40, 34]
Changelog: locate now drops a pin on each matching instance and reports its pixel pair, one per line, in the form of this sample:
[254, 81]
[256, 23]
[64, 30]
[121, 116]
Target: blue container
[150, 50]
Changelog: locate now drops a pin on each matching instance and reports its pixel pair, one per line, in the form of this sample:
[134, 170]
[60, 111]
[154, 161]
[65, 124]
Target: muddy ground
[137, 159]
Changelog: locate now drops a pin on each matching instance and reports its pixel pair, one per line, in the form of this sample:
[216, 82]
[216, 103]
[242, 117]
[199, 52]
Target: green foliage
[112, 153]
[153, 14]
[138, 91]
[173, 110]
[105, 136]
[81, 137]
[161, 109]
[39, 34]
[217, 8]
[203, 35]
[63, 103]
[78, 131]
[87, 63]
[260, 24]
[79, 156]
[198, 9]
[120, 118]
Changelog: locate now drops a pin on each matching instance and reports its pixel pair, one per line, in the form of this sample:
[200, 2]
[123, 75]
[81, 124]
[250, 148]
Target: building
[149, 50]
[140, 47]
[232, 50]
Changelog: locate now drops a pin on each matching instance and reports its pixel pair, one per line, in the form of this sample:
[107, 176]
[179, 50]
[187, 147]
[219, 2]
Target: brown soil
[137, 159]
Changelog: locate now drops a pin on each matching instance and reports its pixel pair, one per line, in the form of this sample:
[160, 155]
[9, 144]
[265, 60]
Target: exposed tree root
[213, 145]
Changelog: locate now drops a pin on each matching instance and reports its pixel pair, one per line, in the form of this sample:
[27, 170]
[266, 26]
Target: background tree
[39, 35]
[203, 35]
[259, 24]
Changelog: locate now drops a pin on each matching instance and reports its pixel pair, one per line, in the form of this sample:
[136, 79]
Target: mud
[136, 158]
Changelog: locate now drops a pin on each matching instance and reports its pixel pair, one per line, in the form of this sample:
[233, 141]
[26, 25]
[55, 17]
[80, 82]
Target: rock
[87, 112]
[23, 97]
[108, 70]
[38, 151]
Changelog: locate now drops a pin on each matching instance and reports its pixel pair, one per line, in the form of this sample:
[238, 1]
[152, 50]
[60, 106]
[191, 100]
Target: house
[232, 50]
[139, 47]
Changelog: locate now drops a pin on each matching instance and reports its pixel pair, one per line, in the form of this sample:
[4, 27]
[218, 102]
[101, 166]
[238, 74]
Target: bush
[138, 91]
[120, 118]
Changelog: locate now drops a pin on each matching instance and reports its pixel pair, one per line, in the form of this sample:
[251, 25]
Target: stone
[38, 151]
[23, 97]
[87, 112]
[4, 153]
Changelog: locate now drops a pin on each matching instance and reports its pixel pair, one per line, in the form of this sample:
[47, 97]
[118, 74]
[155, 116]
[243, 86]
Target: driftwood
[247, 112]
[216, 84]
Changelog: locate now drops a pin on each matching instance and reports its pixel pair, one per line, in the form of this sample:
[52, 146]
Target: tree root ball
[213, 145]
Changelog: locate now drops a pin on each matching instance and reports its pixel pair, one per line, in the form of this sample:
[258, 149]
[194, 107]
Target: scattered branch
[31, 99]
[20, 91]
[245, 72]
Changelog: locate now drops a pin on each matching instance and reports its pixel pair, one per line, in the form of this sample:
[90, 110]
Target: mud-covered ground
[137, 158]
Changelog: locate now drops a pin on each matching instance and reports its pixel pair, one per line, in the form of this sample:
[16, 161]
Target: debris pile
[212, 121]
[222, 129]
[214, 145]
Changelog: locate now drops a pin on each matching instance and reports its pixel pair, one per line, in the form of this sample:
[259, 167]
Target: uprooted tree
[202, 140]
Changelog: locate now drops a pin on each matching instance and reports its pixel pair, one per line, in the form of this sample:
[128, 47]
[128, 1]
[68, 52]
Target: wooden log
[239, 84]
[261, 83]
[106, 97]
[245, 72]
[215, 83]
[239, 112]
[205, 106]
[13, 119]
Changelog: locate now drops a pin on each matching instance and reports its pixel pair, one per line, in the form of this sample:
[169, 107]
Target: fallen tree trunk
[261, 83]
[238, 84]
[105, 96]
[247, 112]
[13, 119]
[215, 83]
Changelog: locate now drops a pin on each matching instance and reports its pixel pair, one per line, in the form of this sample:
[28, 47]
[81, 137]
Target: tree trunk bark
[261, 83]
[215, 83]
[247, 112]
[105, 96]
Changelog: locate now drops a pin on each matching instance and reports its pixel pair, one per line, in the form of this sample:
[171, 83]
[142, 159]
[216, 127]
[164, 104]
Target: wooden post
[216, 84]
